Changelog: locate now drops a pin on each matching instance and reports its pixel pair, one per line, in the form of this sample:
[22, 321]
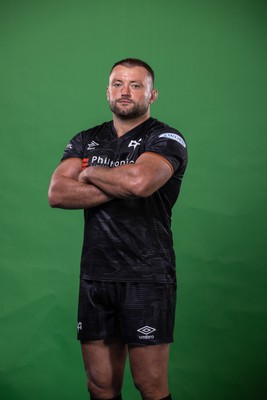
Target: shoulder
[161, 130]
[77, 145]
[105, 126]
[83, 136]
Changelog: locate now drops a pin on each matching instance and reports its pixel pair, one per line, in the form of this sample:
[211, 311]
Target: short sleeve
[75, 147]
[169, 144]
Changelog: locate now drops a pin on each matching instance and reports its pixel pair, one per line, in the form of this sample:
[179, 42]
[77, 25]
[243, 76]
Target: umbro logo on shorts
[79, 326]
[146, 332]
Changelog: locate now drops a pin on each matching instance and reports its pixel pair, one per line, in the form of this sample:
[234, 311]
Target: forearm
[68, 193]
[118, 182]
[141, 179]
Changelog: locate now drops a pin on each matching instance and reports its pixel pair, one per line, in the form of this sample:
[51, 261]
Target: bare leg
[149, 366]
[104, 363]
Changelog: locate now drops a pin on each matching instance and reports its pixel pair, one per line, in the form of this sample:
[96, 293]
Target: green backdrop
[210, 63]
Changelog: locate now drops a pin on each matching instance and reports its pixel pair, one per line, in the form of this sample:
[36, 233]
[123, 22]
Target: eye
[136, 86]
[116, 84]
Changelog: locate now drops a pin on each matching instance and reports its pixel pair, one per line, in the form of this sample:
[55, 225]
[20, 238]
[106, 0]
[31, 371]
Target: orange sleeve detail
[85, 163]
[162, 158]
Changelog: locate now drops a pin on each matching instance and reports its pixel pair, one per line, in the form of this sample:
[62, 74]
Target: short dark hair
[135, 62]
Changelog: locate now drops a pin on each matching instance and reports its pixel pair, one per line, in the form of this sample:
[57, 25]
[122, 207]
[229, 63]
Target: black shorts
[136, 313]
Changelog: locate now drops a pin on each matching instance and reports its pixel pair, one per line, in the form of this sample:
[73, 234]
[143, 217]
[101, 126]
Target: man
[126, 175]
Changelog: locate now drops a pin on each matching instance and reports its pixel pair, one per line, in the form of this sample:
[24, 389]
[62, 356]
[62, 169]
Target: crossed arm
[72, 188]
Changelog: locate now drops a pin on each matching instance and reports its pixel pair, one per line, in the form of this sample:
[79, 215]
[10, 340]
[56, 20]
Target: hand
[83, 176]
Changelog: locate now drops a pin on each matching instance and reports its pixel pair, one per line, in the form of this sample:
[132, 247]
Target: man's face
[130, 92]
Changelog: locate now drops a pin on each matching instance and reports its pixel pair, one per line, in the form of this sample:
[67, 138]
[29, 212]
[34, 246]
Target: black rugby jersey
[130, 239]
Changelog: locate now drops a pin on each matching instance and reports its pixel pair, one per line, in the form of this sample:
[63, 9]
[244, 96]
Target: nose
[125, 90]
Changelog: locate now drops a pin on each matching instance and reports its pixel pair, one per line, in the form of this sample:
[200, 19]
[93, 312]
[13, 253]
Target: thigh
[149, 367]
[143, 358]
[104, 362]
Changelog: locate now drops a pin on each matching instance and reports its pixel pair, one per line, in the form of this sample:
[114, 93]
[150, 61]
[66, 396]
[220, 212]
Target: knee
[148, 386]
[152, 384]
[102, 386]
[96, 386]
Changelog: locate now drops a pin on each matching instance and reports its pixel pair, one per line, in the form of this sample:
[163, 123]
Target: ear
[107, 94]
[153, 96]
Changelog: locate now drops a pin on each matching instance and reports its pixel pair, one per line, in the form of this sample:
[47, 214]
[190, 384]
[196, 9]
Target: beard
[137, 110]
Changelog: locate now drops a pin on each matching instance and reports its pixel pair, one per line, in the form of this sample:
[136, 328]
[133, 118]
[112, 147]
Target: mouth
[124, 101]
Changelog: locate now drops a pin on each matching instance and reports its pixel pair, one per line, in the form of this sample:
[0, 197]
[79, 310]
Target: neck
[123, 126]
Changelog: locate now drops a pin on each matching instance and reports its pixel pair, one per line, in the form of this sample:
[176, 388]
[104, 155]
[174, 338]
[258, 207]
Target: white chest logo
[134, 143]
